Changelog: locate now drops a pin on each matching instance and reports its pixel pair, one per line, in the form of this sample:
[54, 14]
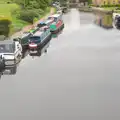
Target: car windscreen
[34, 38]
[7, 48]
[41, 25]
[52, 18]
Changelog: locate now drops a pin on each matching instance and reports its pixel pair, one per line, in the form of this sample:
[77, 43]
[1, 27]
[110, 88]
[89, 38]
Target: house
[105, 2]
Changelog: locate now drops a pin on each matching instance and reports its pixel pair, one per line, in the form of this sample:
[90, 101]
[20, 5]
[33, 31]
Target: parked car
[2, 63]
[23, 39]
[10, 70]
[10, 51]
[117, 21]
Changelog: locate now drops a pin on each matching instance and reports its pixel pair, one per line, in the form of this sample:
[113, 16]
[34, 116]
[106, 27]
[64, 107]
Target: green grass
[55, 10]
[108, 8]
[6, 11]
[111, 8]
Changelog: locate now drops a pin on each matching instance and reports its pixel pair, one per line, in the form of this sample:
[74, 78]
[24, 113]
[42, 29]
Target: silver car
[11, 51]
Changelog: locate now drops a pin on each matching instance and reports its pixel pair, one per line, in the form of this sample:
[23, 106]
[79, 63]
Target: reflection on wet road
[78, 78]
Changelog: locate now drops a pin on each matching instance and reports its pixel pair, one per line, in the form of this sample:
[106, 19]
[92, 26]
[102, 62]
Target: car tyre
[45, 50]
[39, 52]
[15, 61]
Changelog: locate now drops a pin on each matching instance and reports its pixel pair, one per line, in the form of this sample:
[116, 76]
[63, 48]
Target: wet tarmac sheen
[78, 79]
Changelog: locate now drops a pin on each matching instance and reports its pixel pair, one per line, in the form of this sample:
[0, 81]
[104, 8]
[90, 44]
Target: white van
[11, 51]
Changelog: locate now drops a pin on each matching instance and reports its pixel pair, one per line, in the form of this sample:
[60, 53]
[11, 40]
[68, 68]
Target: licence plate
[9, 62]
[33, 51]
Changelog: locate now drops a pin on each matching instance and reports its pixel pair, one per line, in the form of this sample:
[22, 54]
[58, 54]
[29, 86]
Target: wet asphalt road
[78, 79]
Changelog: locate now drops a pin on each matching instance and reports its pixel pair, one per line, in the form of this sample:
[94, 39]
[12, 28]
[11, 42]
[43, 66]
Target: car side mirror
[0, 56]
[45, 29]
[18, 46]
[15, 39]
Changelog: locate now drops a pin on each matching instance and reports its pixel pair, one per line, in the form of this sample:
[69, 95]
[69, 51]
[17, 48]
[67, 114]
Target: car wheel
[13, 70]
[39, 52]
[45, 50]
[15, 61]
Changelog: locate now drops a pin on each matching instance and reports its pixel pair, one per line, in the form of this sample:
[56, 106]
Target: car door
[18, 49]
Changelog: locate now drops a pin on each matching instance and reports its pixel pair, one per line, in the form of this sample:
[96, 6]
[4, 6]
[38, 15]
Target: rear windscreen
[41, 25]
[34, 38]
[7, 48]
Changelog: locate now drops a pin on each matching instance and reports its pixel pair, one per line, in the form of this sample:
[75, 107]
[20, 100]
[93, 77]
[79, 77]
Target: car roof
[25, 34]
[55, 15]
[6, 42]
[38, 33]
[47, 21]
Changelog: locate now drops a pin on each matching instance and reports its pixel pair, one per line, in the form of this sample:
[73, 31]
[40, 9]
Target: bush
[39, 11]
[110, 5]
[28, 16]
[5, 21]
[5, 26]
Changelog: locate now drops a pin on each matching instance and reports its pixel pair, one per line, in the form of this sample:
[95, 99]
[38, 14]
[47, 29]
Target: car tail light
[33, 45]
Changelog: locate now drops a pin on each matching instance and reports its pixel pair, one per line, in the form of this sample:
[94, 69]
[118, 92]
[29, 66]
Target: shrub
[39, 11]
[28, 15]
[117, 5]
[5, 26]
[5, 21]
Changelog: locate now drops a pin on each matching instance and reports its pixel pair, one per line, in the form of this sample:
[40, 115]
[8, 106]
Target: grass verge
[112, 8]
[6, 10]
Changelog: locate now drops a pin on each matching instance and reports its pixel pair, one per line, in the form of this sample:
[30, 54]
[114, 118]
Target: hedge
[28, 15]
[5, 26]
[118, 5]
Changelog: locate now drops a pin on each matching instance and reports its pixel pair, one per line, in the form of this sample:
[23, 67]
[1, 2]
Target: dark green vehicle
[24, 39]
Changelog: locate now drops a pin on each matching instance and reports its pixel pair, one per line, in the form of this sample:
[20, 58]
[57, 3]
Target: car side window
[18, 46]
[41, 37]
[13, 46]
[44, 35]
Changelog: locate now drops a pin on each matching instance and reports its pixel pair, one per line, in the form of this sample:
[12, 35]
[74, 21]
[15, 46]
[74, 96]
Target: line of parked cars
[11, 50]
[116, 20]
[61, 8]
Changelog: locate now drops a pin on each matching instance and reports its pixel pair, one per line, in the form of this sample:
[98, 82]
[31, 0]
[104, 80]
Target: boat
[58, 24]
[55, 35]
[11, 52]
[41, 51]
[45, 23]
[39, 40]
